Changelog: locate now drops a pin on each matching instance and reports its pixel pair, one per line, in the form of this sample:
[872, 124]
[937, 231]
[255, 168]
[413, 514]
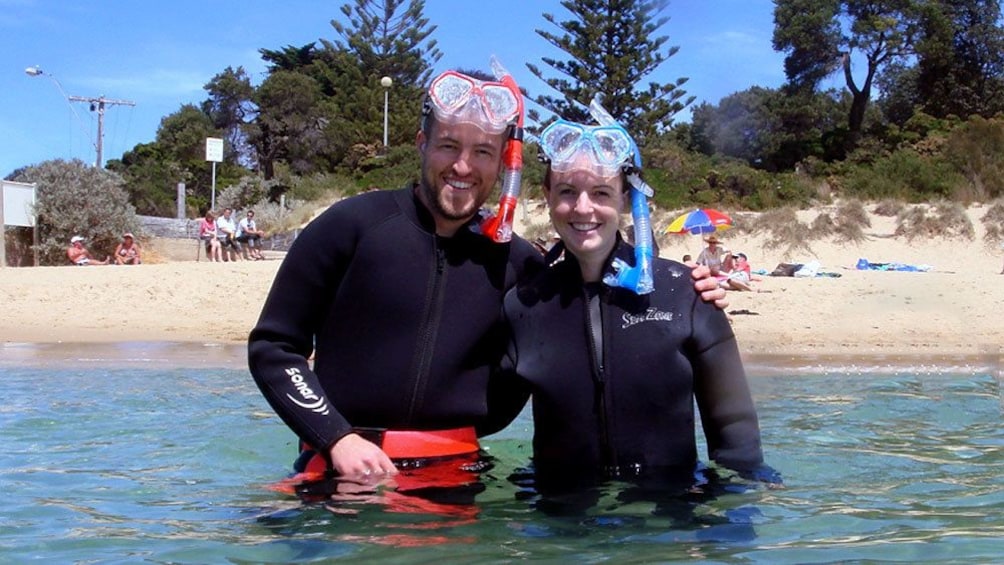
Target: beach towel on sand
[865, 265]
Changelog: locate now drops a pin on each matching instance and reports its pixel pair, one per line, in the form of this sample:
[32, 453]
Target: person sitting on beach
[713, 256]
[249, 236]
[79, 255]
[207, 233]
[226, 233]
[740, 277]
[127, 252]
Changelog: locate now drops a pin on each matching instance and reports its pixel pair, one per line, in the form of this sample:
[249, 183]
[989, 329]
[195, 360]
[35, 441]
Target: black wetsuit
[619, 402]
[403, 323]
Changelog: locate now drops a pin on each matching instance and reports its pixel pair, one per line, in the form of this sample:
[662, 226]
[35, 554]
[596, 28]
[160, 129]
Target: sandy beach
[952, 311]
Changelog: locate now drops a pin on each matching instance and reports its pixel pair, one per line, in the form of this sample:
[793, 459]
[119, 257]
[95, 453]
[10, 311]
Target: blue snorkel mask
[606, 150]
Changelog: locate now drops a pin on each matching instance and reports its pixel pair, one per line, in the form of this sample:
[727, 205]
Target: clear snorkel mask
[457, 98]
[603, 150]
[607, 150]
[495, 107]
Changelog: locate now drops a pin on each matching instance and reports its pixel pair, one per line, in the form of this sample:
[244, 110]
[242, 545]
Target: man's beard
[439, 207]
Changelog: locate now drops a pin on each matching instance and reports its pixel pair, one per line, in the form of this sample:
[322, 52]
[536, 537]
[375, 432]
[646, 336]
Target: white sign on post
[18, 200]
[214, 149]
[214, 153]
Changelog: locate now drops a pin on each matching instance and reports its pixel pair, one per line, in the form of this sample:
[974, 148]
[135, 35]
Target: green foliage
[960, 59]
[684, 179]
[151, 179]
[75, 199]
[390, 37]
[976, 150]
[905, 175]
[314, 124]
[612, 48]
[821, 37]
[809, 33]
[248, 192]
[769, 129]
[398, 168]
[229, 107]
[321, 186]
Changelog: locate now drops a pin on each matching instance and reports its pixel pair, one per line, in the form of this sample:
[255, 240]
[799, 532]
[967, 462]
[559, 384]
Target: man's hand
[707, 286]
[358, 459]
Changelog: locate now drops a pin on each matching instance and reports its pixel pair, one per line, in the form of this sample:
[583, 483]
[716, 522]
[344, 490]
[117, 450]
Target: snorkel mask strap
[639, 277]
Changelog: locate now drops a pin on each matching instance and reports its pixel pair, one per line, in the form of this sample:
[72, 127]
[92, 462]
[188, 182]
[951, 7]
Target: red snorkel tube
[499, 226]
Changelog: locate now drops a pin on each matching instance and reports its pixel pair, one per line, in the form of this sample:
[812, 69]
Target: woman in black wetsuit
[614, 372]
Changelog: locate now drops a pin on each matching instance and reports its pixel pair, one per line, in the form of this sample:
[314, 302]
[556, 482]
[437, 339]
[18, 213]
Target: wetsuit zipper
[429, 329]
[594, 323]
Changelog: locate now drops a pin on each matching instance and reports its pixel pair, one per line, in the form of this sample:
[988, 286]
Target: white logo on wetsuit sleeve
[319, 404]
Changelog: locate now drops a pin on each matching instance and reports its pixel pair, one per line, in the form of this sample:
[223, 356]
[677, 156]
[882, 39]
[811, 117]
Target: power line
[97, 104]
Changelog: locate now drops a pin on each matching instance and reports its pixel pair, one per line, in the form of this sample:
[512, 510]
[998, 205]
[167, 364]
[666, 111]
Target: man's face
[226, 213]
[460, 164]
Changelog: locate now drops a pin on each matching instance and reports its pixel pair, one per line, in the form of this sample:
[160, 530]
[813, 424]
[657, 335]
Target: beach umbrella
[701, 220]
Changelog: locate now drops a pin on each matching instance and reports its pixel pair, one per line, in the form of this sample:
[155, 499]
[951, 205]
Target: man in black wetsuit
[398, 297]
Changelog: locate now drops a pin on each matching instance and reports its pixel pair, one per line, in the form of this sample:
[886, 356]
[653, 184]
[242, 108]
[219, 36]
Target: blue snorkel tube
[639, 277]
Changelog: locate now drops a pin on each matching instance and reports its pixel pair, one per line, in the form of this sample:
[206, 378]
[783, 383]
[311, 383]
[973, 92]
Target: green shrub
[904, 175]
[400, 167]
[976, 150]
[249, 190]
[73, 198]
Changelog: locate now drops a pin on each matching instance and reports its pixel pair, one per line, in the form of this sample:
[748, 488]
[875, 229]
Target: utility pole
[98, 105]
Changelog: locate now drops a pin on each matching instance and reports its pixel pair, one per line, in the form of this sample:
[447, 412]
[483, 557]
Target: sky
[159, 55]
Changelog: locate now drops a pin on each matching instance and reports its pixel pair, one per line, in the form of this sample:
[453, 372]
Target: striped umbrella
[702, 220]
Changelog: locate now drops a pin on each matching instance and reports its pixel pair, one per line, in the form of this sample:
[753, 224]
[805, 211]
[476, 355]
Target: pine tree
[612, 48]
[389, 39]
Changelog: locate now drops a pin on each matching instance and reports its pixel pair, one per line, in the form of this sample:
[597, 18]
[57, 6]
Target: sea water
[163, 453]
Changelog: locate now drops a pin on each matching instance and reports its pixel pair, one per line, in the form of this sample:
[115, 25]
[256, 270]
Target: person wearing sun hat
[715, 257]
[79, 255]
[128, 252]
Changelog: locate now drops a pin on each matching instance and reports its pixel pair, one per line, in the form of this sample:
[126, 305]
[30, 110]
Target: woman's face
[585, 209]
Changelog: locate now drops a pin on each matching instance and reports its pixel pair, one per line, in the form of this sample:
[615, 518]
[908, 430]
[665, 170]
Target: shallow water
[163, 456]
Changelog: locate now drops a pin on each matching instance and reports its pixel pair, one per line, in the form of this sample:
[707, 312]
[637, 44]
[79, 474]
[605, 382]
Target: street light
[37, 71]
[97, 105]
[386, 83]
